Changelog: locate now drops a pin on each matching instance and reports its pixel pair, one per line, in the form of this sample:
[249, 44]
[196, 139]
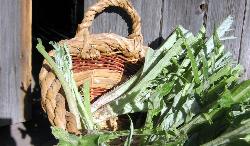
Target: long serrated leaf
[204, 67]
[217, 42]
[222, 72]
[154, 55]
[241, 92]
[193, 63]
[221, 30]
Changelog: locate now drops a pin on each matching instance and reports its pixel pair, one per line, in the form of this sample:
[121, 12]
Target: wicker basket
[105, 59]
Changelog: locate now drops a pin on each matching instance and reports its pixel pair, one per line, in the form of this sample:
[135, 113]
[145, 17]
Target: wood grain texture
[151, 20]
[9, 61]
[218, 10]
[25, 59]
[14, 60]
[181, 12]
[117, 21]
[244, 56]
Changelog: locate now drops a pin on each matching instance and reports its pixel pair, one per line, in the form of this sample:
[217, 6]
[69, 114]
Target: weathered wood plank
[181, 12]
[151, 20]
[9, 61]
[25, 60]
[15, 59]
[218, 10]
[115, 20]
[244, 56]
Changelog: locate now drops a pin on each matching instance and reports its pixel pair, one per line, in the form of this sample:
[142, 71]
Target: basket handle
[83, 28]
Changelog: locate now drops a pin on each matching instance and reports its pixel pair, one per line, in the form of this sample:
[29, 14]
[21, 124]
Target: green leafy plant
[189, 88]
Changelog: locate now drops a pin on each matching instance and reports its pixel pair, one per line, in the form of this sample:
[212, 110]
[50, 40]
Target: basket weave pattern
[104, 59]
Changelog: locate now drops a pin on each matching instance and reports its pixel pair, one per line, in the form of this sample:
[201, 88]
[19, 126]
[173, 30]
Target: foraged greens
[189, 88]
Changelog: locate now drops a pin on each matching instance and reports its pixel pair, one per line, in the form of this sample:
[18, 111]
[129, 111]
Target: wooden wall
[160, 17]
[15, 60]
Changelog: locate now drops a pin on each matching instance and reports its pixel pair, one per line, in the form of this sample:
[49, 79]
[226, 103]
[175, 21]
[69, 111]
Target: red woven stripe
[113, 62]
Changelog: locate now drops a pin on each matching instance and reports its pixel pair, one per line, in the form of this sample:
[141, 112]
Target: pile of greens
[189, 88]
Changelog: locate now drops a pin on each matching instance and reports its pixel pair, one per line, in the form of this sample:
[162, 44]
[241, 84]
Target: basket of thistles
[105, 89]
[103, 60]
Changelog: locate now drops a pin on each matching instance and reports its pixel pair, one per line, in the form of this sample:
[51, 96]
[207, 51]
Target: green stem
[69, 95]
[84, 110]
[137, 132]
